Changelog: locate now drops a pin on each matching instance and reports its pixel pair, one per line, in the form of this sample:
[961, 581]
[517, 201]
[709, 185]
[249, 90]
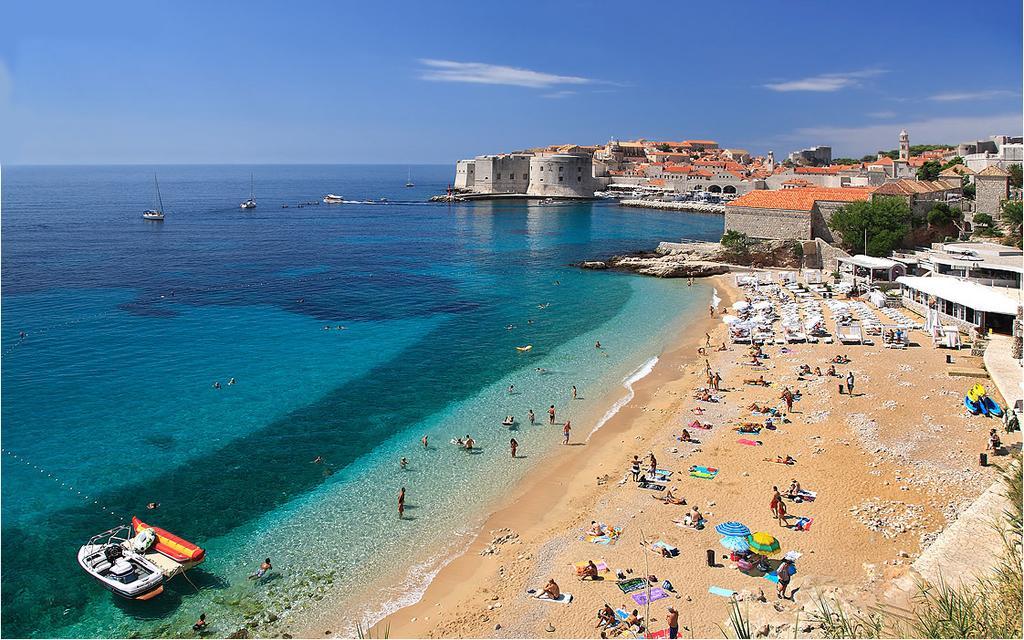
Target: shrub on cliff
[886, 221]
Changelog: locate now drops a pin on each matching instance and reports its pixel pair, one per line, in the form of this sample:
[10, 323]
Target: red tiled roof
[679, 169]
[826, 171]
[800, 199]
[910, 187]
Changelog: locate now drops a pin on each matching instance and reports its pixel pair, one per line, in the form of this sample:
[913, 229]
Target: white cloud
[881, 114]
[956, 96]
[555, 95]
[482, 73]
[854, 141]
[825, 82]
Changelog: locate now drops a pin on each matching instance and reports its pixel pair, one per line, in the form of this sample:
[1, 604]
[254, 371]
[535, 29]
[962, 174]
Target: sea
[350, 332]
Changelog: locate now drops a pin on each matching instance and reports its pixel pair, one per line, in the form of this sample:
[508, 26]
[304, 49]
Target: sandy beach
[891, 465]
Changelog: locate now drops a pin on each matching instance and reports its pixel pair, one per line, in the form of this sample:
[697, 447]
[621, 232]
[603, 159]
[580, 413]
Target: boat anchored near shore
[251, 202]
[134, 562]
[156, 215]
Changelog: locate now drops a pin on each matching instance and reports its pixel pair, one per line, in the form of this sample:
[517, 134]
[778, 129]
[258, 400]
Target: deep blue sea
[108, 400]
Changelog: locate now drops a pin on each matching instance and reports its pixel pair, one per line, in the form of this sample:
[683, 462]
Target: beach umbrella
[764, 304]
[735, 543]
[727, 319]
[732, 528]
[742, 304]
[764, 543]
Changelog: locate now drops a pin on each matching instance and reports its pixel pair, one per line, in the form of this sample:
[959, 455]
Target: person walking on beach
[672, 620]
[707, 339]
[784, 574]
[716, 381]
[566, 428]
[635, 469]
[776, 501]
[573, 392]
[424, 441]
[513, 445]
[849, 383]
[401, 503]
[780, 512]
[551, 414]
[531, 416]
[787, 397]
[653, 469]
[711, 310]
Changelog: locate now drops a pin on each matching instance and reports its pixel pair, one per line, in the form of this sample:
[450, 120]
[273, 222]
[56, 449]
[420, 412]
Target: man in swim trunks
[531, 416]
[776, 500]
[551, 414]
[262, 571]
[589, 571]
[551, 590]
[469, 443]
[565, 431]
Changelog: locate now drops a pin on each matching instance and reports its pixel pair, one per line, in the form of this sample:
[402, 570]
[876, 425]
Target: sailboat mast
[251, 190]
[158, 198]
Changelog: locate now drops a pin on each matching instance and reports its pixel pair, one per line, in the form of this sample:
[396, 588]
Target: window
[559, 169]
[497, 176]
[526, 176]
[579, 179]
[559, 178]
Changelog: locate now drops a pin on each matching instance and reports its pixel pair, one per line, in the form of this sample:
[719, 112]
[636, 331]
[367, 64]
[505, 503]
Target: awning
[869, 262]
[969, 294]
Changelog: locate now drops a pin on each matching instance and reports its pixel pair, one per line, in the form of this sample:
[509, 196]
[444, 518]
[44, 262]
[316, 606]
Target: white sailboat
[156, 215]
[251, 202]
[409, 182]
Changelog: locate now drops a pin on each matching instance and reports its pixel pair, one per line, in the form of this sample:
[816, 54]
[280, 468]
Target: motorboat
[155, 214]
[251, 202]
[331, 198]
[134, 561]
[112, 560]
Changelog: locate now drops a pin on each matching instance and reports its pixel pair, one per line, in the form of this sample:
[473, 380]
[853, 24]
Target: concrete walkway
[1006, 373]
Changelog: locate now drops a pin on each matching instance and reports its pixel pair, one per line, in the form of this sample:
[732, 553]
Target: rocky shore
[700, 207]
[701, 259]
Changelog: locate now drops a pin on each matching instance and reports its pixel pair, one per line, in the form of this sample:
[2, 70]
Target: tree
[1015, 175]
[942, 215]
[886, 221]
[983, 220]
[1011, 212]
[929, 170]
[664, 147]
[969, 191]
[868, 158]
[733, 239]
[849, 160]
[955, 161]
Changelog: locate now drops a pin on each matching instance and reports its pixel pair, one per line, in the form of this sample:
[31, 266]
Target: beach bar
[969, 305]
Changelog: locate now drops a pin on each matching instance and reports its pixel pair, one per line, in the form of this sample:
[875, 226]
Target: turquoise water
[129, 323]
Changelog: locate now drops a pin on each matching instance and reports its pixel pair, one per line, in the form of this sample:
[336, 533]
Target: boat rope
[66, 485]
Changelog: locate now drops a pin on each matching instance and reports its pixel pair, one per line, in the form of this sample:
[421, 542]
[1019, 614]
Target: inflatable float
[170, 545]
[977, 402]
[526, 348]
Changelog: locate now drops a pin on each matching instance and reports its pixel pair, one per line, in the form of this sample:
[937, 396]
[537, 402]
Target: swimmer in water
[216, 385]
[316, 460]
[597, 345]
[153, 505]
[403, 463]
[531, 416]
[231, 381]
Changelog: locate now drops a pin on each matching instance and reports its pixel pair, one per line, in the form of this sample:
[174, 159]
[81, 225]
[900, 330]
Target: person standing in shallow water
[513, 446]
[401, 503]
[573, 392]
[424, 441]
[551, 414]
[566, 428]
[531, 416]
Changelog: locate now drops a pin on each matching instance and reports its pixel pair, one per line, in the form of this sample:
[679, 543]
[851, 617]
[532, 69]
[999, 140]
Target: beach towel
[602, 566]
[772, 577]
[658, 634]
[697, 425]
[657, 593]
[803, 524]
[750, 443]
[608, 538]
[650, 486]
[719, 591]
[663, 473]
[621, 614]
[565, 598]
[661, 544]
[704, 473]
[633, 584]
[805, 496]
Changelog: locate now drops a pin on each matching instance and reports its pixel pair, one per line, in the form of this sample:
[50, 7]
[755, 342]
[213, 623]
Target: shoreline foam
[638, 374]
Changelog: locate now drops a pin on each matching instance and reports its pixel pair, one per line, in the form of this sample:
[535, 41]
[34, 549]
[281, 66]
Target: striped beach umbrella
[735, 543]
[764, 543]
[732, 529]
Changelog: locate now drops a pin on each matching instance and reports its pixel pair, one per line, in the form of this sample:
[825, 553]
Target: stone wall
[465, 174]
[991, 191]
[772, 224]
[561, 175]
[502, 174]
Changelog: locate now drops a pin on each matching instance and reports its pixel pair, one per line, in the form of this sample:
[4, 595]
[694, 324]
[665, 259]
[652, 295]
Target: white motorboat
[251, 202]
[155, 214]
[331, 198]
[116, 560]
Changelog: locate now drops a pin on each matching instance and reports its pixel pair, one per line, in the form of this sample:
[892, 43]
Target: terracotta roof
[701, 172]
[956, 170]
[800, 199]
[827, 171]
[882, 160]
[656, 182]
[799, 181]
[692, 142]
[910, 187]
[679, 169]
[993, 170]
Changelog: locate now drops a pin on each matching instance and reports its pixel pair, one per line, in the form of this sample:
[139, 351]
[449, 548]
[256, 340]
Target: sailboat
[156, 215]
[409, 182]
[251, 202]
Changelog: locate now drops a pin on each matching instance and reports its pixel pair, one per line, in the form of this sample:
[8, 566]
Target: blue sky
[420, 82]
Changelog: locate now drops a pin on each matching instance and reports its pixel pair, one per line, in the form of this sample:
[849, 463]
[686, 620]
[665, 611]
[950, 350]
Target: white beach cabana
[871, 269]
[961, 302]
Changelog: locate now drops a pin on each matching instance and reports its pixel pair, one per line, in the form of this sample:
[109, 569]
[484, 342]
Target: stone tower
[992, 186]
[771, 160]
[904, 146]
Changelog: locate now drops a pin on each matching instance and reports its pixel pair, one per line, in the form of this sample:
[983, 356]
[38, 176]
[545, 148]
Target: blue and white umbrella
[735, 543]
[732, 529]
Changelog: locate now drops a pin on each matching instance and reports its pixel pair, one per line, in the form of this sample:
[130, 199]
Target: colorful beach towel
[657, 634]
[633, 584]
[719, 591]
[608, 538]
[803, 524]
[663, 473]
[750, 443]
[805, 496]
[650, 486]
[704, 473]
[772, 577]
[657, 593]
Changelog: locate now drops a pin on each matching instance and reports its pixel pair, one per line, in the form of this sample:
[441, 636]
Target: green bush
[734, 240]
[886, 220]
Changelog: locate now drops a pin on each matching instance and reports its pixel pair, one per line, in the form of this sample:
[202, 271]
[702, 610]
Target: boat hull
[143, 589]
